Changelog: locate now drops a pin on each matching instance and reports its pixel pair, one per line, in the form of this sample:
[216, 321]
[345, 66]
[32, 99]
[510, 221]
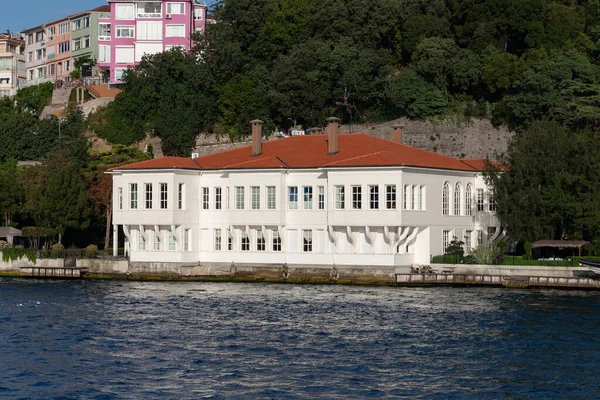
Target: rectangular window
[406, 194]
[124, 11]
[479, 238]
[276, 241]
[198, 14]
[141, 241]
[186, 240]
[445, 240]
[86, 42]
[480, 200]
[51, 33]
[321, 191]
[175, 8]
[149, 30]
[30, 38]
[255, 197]
[260, 242]
[293, 197]
[77, 44]
[374, 197]
[228, 203]
[413, 197]
[308, 197]
[149, 10]
[125, 31]
[133, 195]
[271, 198]
[30, 56]
[156, 242]
[120, 196]
[175, 31]
[180, 191]
[356, 197]
[103, 31]
[218, 198]
[340, 197]
[217, 240]
[63, 28]
[148, 190]
[245, 242]
[63, 47]
[491, 201]
[171, 241]
[390, 197]
[163, 196]
[239, 198]
[205, 198]
[104, 53]
[67, 65]
[229, 240]
[124, 55]
[421, 197]
[307, 242]
[467, 241]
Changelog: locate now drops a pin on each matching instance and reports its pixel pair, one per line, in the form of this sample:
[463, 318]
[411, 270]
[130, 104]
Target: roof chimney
[256, 137]
[332, 135]
[398, 137]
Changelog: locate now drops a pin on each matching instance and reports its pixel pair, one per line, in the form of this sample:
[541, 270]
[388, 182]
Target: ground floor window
[245, 242]
[186, 240]
[217, 240]
[260, 242]
[276, 241]
[171, 242]
[445, 240]
[307, 242]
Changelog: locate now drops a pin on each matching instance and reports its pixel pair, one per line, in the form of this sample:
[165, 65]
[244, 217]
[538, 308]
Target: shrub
[15, 253]
[57, 250]
[91, 251]
[485, 254]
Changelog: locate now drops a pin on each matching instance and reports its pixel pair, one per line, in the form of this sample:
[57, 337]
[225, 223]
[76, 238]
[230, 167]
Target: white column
[115, 240]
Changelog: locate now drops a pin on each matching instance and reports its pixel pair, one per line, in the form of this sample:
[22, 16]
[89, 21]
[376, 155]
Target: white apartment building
[35, 53]
[12, 64]
[315, 200]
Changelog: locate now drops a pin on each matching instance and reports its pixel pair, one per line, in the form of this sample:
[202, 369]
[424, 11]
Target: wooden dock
[498, 280]
[53, 272]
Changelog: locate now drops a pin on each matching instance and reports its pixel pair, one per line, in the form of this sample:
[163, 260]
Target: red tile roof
[162, 163]
[105, 8]
[355, 150]
[479, 163]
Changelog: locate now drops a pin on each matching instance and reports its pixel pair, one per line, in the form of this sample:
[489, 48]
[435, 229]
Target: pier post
[115, 240]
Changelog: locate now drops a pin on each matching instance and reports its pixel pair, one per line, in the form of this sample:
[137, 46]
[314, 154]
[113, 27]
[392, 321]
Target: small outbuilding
[558, 248]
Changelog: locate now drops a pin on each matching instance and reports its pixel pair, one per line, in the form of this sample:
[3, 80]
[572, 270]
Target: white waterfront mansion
[316, 200]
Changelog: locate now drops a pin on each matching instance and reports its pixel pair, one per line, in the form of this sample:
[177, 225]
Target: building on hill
[12, 64]
[334, 199]
[136, 28]
[85, 34]
[59, 64]
[35, 51]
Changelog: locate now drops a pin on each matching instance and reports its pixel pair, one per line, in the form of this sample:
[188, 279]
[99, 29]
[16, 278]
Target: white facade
[297, 217]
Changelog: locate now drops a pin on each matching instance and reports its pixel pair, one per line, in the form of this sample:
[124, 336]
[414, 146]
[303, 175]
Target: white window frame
[187, 236]
[218, 198]
[373, 197]
[181, 196]
[102, 29]
[148, 201]
[261, 243]
[276, 241]
[469, 200]
[120, 197]
[480, 200]
[321, 197]
[133, 196]
[120, 29]
[145, 14]
[201, 12]
[172, 245]
[340, 197]
[271, 198]
[255, 195]
[218, 240]
[205, 198]
[356, 197]
[307, 241]
[446, 199]
[293, 197]
[391, 196]
[239, 197]
[307, 197]
[175, 30]
[457, 199]
[164, 196]
[124, 12]
[445, 240]
[170, 10]
[245, 242]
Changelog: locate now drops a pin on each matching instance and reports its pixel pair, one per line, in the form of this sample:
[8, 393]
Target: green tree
[11, 191]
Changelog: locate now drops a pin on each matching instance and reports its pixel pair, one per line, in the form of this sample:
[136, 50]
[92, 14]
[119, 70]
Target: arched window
[457, 202]
[469, 200]
[446, 199]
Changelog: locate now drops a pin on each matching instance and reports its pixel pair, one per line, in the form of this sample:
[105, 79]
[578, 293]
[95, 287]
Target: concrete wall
[13, 266]
[508, 270]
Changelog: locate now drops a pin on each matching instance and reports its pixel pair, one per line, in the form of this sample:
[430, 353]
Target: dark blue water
[105, 340]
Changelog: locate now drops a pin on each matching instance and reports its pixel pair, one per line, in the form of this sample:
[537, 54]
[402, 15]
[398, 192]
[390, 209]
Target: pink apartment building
[136, 28]
[58, 49]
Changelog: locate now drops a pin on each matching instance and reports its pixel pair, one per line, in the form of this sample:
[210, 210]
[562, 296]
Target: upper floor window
[39, 36]
[133, 195]
[293, 197]
[446, 199]
[390, 197]
[308, 197]
[63, 28]
[480, 200]
[198, 14]
[457, 198]
[406, 196]
[125, 31]
[175, 8]
[51, 32]
[120, 198]
[148, 187]
[373, 197]
[321, 199]
[239, 198]
[271, 198]
[218, 198]
[491, 201]
[180, 193]
[469, 200]
[149, 10]
[255, 197]
[64, 47]
[103, 31]
[356, 197]
[340, 197]
[414, 194]
[163, 196]
[205, 198]
[124, 11]
[30, 38]
[422, 197]
[175, 31]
